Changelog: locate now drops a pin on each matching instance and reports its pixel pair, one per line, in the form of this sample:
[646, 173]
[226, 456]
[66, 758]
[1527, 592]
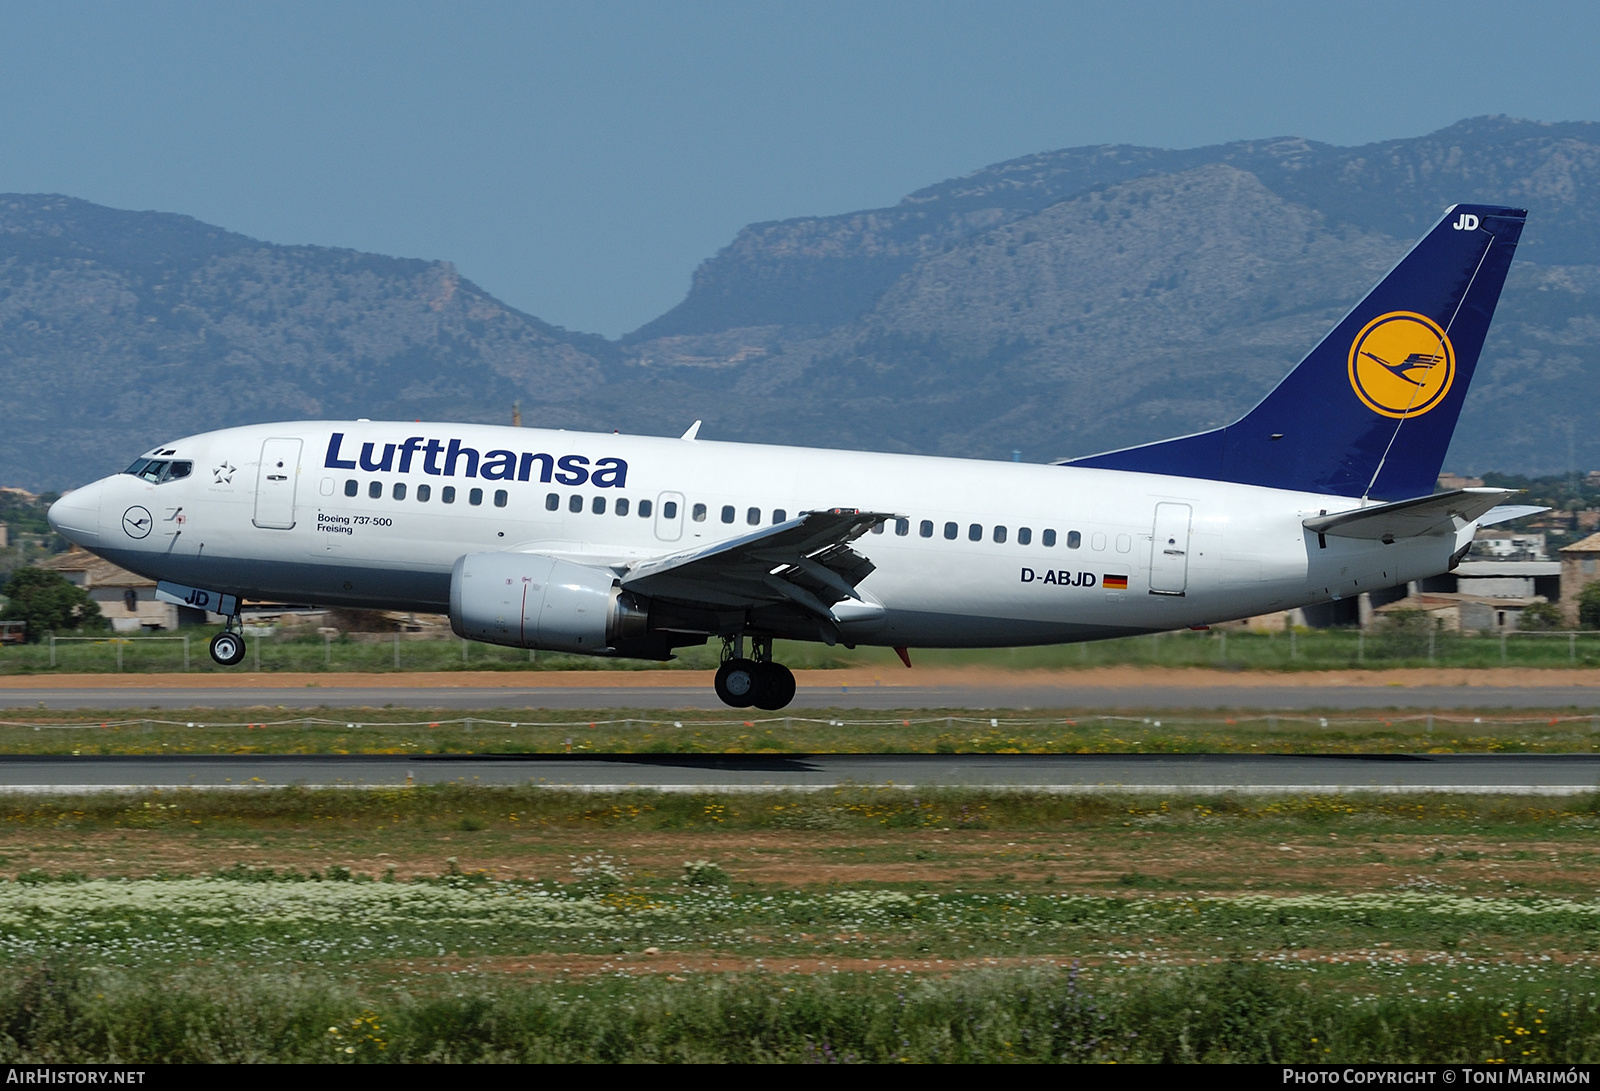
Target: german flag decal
[1114, 583]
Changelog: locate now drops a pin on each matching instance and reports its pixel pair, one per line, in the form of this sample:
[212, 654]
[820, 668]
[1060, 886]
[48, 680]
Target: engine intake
[525, 600]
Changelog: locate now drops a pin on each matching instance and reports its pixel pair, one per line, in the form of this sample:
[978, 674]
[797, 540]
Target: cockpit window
[156, 470]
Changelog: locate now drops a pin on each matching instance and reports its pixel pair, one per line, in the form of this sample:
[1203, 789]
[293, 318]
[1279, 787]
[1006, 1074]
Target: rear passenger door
[275, 484]
[1169, 550]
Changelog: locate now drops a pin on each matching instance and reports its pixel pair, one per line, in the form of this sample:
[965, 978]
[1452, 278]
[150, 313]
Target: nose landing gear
[227, 647]
[742, 682]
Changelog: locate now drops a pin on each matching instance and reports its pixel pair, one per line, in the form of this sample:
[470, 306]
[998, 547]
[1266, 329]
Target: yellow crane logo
[1402, 364]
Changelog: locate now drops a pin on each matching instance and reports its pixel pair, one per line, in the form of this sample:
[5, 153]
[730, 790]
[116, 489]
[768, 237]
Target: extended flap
[806, 561]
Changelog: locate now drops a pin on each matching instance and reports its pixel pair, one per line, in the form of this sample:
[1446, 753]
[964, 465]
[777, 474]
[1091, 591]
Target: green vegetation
[815, 731]
[1378, 929]
[31, 538]
[1406, 645]
[27, 516]
[1589, 606]
[48, 602]
[1542, 617]
[1235, 1013]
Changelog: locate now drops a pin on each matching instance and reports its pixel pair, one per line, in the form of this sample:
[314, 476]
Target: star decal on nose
[222, 475]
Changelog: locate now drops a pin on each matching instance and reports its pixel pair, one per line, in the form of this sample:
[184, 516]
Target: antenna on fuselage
[516, 414]
[694, 430]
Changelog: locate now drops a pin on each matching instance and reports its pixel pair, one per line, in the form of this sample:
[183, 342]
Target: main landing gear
[759, 681]
[227, 647]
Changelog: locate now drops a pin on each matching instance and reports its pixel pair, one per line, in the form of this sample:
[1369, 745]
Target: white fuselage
[1037, 556]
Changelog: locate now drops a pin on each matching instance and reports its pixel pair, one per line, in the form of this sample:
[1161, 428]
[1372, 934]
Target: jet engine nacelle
[525, 600]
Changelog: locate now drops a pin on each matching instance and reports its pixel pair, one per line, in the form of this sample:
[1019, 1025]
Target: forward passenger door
[275, 484]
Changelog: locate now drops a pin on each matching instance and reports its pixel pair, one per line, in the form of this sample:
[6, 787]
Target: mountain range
[1052, 305]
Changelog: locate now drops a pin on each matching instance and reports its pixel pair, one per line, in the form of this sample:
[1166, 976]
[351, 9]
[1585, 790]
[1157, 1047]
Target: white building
[126, 601]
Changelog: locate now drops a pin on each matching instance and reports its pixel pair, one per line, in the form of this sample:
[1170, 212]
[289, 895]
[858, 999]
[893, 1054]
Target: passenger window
[975, 533]
[1074, 539]
[645, 506]
[375, 489]
[698, 513]
[424, 493]
[352, 487]
[1124, 543]
[500, 498]
[926, 529]
[951, 530]
[753, 517]
[1024, 535]
[779, 516]
[669, 510]
[902, 527]
[399, 490]
[575, 504]
[475, 497]
[622, 505]
[727, 513]
[179, 470]
[877, 528]
[552, 501]
[447, 495]
[999, 534]
[598, 506]
[325, 486]
[1049, 538]
[1097, 542]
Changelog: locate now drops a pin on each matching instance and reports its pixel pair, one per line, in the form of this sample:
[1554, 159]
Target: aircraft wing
[805, 562]
[1409, 518]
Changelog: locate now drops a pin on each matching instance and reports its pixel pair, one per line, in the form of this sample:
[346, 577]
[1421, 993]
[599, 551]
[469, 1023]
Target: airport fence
[1226, 649]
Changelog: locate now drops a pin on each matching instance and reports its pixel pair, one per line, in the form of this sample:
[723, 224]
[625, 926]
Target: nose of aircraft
[76, 516]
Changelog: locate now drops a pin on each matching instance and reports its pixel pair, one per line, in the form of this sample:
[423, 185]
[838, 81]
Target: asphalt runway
[1530, 774]
[1269, 698]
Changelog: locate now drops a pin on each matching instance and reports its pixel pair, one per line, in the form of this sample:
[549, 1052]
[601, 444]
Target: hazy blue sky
[579, 160]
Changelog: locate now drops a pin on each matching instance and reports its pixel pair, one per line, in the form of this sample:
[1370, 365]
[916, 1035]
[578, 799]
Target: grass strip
[829, 731]
[1236, 1012]
[474, 808]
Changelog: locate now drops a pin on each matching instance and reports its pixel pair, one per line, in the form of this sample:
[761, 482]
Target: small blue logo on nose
[136, 521]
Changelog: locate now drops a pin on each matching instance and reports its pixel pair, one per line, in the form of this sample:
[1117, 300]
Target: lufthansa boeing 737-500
[616, 545]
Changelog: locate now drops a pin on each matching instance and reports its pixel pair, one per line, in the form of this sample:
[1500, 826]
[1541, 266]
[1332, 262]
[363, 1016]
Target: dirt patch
[1091, 861]
[679, 964]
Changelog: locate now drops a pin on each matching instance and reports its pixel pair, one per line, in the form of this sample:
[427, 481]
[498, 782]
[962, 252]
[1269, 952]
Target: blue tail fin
[1371, 410]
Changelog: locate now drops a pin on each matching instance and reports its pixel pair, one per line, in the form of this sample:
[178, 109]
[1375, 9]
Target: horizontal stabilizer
[1409, 518]
[1507, 512]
